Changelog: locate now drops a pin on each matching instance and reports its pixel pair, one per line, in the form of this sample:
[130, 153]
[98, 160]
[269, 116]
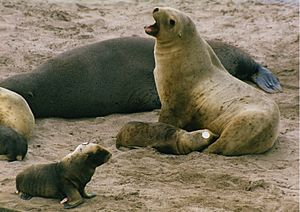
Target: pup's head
[91, 154]
[170, 24]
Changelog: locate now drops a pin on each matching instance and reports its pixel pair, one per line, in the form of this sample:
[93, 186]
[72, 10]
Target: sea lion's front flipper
[25, 196]
[266, 80]
[73, 197]
[87, 195]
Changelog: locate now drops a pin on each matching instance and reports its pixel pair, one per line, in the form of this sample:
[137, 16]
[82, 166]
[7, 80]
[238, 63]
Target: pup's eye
[172, 22]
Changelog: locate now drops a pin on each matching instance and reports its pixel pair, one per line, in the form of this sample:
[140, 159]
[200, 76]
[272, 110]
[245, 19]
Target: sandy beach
[33, 31]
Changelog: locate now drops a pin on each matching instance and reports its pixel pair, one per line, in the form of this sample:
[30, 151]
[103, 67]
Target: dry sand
[32, 31]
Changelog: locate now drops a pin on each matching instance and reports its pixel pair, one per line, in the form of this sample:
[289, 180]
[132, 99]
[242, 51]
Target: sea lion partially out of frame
[16, 125]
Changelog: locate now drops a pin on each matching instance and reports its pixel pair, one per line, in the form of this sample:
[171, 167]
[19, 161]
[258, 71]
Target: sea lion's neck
[76, 170]
[177, 46]
[170, 52]
[164, 48]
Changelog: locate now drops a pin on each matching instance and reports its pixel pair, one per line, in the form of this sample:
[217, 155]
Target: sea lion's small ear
[179, 34]
[30, 94]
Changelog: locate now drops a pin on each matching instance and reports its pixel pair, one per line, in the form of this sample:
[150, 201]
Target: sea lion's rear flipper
[25, 196]
[266, 80]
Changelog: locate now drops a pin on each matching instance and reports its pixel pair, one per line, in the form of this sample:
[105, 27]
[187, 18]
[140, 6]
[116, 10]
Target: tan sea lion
[66, 178]
[196, 92]
[163, 137]
[16, 125]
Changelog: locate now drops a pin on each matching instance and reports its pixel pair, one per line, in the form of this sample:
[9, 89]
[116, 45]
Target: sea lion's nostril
[155, 10]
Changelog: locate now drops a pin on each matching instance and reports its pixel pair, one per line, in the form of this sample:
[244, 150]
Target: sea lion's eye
[172, 22]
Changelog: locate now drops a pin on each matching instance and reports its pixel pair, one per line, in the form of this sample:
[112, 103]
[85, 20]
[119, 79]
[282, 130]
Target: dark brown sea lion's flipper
[25, 196]
[266, 80]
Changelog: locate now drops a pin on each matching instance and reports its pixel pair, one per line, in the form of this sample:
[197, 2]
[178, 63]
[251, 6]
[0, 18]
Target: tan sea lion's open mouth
[154, 28]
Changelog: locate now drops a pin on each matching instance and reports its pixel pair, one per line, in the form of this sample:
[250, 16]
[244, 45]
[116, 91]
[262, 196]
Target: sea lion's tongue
[152, 29]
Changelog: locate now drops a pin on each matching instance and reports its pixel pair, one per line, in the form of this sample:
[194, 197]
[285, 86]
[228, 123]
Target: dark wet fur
[12, 144]
[236, 62]
[145, 134]
[112, 76]
[41, 180]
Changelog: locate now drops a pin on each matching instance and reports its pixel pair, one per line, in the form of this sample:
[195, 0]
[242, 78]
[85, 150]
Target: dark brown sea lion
[112, 76]
[163, 137]
[66, 178]
[197, 92]
[16, 125]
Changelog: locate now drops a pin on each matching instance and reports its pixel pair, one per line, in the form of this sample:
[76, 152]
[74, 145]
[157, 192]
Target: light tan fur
[197, 92]
[81, 152]
[15, 113]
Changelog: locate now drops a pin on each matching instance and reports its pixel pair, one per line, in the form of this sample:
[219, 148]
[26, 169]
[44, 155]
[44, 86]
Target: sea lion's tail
[266, 80]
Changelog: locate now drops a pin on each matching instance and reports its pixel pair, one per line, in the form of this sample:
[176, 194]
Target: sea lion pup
[13, 146]
[113, 76]
[66, 178]
[163, 137]
[16, 125]
[196, 91]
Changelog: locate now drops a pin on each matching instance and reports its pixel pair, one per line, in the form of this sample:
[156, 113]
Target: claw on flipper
[266, 80]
